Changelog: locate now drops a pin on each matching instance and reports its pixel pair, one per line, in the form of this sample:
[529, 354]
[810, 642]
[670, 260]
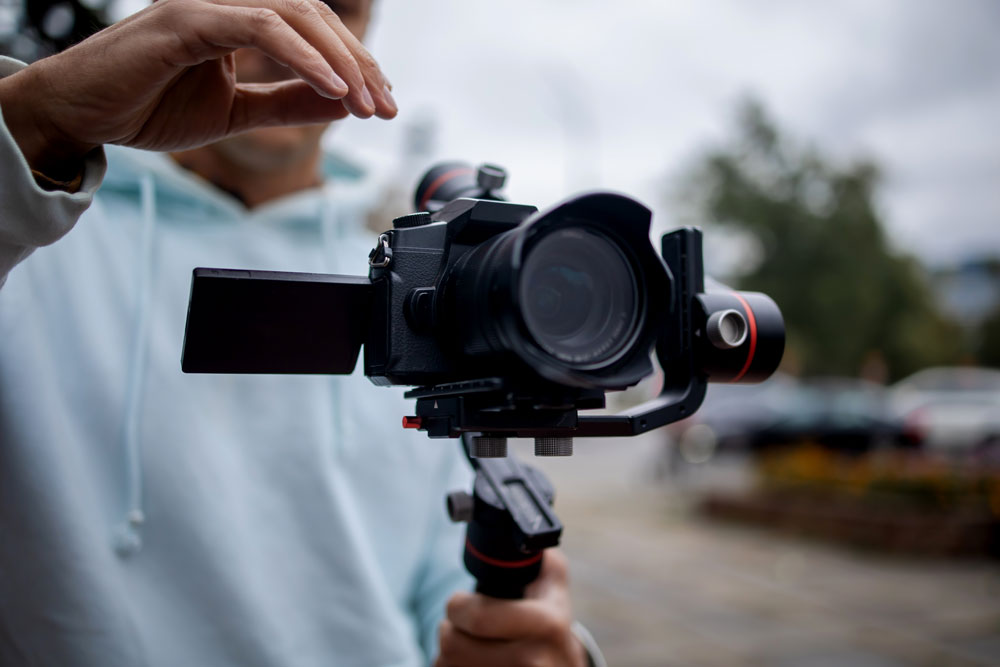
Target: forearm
[30, 215]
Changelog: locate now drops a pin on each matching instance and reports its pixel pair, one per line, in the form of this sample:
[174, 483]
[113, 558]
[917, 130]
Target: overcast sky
[577, 94]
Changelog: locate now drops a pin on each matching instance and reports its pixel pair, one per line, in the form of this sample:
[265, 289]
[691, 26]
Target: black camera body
[506, 319]
[446, 305]
[415, 335]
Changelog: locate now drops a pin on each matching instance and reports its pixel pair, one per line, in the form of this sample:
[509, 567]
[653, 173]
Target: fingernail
[338, 83]
[367, 97]
[390, 99]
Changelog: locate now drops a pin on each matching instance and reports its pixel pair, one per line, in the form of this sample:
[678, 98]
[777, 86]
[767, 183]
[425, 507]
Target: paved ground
[659, 586]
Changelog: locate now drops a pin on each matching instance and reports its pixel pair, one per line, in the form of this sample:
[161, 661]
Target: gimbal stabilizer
[508, 321]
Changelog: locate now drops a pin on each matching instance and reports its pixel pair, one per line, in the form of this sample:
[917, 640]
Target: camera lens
[579, 296]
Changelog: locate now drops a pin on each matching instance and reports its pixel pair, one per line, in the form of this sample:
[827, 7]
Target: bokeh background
[843, 157]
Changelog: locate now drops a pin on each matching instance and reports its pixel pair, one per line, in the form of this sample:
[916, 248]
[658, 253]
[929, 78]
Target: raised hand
[164, 79]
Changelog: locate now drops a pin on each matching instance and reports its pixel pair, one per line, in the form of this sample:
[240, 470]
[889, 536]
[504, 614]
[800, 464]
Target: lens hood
[577, 292]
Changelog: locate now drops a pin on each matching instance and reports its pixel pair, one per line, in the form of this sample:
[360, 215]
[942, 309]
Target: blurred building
[970, 291]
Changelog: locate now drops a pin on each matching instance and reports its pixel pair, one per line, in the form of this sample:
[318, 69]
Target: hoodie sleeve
[30, 216]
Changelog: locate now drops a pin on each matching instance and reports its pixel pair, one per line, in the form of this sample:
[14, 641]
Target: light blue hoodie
[149, 517]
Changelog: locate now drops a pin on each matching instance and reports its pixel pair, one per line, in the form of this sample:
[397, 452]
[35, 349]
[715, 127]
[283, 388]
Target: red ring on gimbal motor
[752, 321]
[439, 181]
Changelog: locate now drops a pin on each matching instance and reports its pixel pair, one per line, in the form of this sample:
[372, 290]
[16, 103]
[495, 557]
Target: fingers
[480, 630]
[490, 618]
[553, 578]
[221, 29]
[283, 103]
[316, 24]
[374, 77]
[457, 649]
[544, 612]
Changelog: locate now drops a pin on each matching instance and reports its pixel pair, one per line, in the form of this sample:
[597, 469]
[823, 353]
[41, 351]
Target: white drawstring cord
[128, 534]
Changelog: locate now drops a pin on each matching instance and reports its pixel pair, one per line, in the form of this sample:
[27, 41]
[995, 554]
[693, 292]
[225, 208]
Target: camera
[507, 321]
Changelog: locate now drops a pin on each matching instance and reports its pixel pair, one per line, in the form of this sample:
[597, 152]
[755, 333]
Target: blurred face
[271, 148]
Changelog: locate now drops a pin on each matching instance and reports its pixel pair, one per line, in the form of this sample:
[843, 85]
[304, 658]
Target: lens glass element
[578, 296]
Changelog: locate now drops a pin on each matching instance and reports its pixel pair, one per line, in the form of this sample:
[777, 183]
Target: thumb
[284, 103]
[553, 578]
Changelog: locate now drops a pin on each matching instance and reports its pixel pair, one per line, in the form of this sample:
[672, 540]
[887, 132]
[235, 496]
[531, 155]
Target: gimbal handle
[510, 524]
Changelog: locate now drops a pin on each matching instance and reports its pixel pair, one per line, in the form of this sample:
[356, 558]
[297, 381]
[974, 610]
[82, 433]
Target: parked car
[951, 410]
[731, 414]
[844, 414]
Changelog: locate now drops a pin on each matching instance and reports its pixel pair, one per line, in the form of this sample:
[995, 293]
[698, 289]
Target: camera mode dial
[412, 220]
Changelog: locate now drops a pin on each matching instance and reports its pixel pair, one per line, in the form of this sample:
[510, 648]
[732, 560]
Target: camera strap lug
[381, 255]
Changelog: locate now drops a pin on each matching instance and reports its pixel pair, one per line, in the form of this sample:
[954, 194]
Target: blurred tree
[851, 304]
[988, 352]
[988, 340]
